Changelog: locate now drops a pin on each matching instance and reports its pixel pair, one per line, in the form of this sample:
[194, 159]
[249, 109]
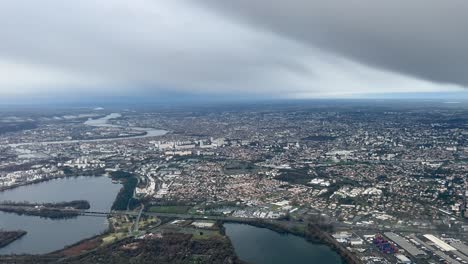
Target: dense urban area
[376, 181]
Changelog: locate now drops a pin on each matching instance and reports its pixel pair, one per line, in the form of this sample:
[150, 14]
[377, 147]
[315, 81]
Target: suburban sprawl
[379, 182]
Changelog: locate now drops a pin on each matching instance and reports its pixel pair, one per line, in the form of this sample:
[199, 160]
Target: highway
[337, 225]
[137, 221]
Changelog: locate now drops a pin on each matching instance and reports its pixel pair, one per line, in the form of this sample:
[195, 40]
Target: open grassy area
[111, 238]
[205, 234]
[170, 209]
[82, 247]
[149, 221]
[239, 167]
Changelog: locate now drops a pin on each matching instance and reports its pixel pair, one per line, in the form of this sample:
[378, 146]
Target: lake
[262, 246]
[46, 235]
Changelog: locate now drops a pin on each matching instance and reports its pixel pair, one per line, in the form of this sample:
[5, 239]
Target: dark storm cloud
[286, 49]
[425, 39]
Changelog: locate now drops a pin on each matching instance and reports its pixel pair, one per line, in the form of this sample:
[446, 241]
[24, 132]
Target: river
[262, 246]
[46, 235]
[100, 122]
[252, 244]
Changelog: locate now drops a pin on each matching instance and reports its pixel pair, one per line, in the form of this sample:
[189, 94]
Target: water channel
[46, 235]
[252, 244]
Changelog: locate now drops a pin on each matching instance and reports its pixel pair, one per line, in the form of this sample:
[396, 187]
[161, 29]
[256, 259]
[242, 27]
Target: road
[137, 220]
[337, 225]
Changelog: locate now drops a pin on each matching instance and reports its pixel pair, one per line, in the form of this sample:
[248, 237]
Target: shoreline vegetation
[312, 232]
[7, 237]
[60, 210]
[68, 173]
[75, 204]
[171, 248]
[124, 200]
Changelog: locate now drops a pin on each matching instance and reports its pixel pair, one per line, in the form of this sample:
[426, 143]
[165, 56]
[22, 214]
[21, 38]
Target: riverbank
[124, 200]
[313, 233]
[7, 237]
[145, 132]
[99, 191]
[50, 213]
[76, 204]
[163, 244]
[168, 248]
[60, 210]
[72, 174]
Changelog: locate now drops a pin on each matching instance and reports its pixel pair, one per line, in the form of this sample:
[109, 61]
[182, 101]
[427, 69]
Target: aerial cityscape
[233, 132]
[376, 181]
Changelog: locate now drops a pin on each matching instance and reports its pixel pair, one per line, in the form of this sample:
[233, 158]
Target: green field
[205, 234]
[169, 209]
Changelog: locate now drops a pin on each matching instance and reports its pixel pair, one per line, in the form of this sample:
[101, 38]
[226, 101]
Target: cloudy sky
[259, 48]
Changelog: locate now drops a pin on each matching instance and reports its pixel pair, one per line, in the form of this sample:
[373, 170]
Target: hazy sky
[262, 48]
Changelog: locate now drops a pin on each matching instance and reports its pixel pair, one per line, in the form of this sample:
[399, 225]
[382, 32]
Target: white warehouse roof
[439, 243]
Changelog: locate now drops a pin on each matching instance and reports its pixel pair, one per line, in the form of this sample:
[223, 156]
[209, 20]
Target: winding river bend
[101, 122]
[46, 235]
[252, 244]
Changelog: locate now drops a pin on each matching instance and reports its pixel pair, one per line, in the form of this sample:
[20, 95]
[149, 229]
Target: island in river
[60, 210]
[99, 191]
[130, 238]
[156, 238]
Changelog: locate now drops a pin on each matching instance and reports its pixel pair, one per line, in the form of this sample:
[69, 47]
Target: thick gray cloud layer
[427, 39]
[293, 49]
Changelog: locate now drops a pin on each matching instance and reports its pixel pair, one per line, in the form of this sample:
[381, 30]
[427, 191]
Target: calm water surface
[263, 246]
[46, 235]
[100, 122]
